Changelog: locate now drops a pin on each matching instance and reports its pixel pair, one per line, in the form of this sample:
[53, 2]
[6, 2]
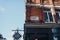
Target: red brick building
[42, 20]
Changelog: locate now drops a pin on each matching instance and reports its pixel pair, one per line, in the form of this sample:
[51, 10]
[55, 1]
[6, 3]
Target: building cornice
[43, 5]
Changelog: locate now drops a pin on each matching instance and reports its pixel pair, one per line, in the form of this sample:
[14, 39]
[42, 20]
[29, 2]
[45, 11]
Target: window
[58, 16]
[48, 18]
[55, 35]
[45, 16]
[54, 30]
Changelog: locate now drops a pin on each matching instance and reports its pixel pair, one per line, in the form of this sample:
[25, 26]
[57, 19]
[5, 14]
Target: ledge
[45, 25]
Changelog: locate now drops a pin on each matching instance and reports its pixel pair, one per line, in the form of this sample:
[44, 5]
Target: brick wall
[34, 11]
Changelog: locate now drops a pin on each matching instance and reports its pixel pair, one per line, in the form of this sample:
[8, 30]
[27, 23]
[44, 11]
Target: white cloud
[2, 9]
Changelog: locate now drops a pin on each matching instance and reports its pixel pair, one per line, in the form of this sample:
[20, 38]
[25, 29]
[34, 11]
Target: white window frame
[48, 21]
[52, 16]
[58, 13]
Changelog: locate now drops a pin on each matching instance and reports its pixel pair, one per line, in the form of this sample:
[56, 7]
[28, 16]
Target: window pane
[50, 17]
[45, 16]
[54, 30]
[58, 16]
[55, 38]
[55, 35]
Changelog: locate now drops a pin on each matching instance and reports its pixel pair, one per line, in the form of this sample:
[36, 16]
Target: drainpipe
[53, 11]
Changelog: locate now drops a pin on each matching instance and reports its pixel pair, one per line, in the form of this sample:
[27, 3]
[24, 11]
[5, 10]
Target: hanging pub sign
[16, 35]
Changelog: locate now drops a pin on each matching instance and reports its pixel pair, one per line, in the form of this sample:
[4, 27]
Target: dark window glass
[45, 16]
[54, 30]
[55, 35]
[50, 17]
[58, 16]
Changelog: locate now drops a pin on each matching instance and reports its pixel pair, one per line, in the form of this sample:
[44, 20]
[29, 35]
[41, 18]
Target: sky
[12, 16]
